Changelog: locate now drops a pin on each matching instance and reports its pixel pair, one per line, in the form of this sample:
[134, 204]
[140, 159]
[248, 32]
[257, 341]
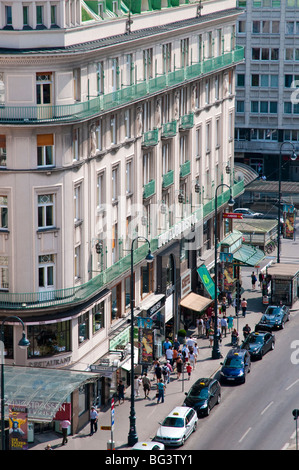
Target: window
[116, 302]
[255, 53]
[148, 64]
[45, 150]
[43, 88]
[127, 118]
[166, 51]
[49, 339]
[2, 150]
[241, 26]
[46, 210]
[98, 317]
[147, 279]
[289, 53]
[100, 190]
[77, 262]
[241, 79]
[166, 158]
[208, 137]
[4, 278]
[240, 106]
[290, 27]
[183, 149]
[274, 54]
[39, 15]
[99, 135]
[76, 144]
[77, 203]
[256, 27]
[265, 53]
[8, 15]
[147, 167]
[115, 189]
[83, 327]
[198, 142]
[129, 177]
[3, 212]
[254, 106]
[25, 16]
[255, 80]
[115, 74]
[46, 272]
[53, 15]
[184, 52]
[113, 129]
[100, 78]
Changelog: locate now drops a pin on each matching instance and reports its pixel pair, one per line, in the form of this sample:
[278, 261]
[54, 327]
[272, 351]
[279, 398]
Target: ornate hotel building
[116, 127]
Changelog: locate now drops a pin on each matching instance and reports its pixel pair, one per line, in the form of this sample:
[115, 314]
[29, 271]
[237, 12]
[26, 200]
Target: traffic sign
[232, 215]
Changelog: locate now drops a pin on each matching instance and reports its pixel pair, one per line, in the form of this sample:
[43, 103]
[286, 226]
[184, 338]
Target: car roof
[204, 381]
[179, 411]
[146, 444]
[236, 352]
[260, 333]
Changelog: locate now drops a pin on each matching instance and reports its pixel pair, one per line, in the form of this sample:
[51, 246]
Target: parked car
[148, 445]
[236, 366]
[247, 213]
[204, 394]
[259, 343]
[274, 317]
[177, 426]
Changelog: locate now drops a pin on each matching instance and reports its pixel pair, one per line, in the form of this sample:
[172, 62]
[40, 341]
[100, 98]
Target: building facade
[267, 111]
[116, 127]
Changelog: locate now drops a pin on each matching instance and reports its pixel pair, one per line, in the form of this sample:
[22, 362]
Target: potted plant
[182, 336]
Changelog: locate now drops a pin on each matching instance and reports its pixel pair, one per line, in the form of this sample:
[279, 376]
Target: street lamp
[132, 437]
[216, 354]
[23, 343]
[293, 157]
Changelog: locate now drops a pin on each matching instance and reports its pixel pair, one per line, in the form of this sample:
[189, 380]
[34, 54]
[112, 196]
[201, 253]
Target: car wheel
[273, 346]
[208, 410]
[183, 440]
[195, 426]
[282, 325]
[218, 399]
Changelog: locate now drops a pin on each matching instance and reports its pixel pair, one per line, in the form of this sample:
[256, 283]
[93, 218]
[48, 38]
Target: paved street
[148, 412]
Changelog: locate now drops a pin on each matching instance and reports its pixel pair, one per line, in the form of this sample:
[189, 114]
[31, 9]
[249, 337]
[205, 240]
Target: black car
[236, 366]
[259, 343]
[274, 317]
[203, 395]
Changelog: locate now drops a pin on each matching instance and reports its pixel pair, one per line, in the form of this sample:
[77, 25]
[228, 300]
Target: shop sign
[157, 306]
[64, 412]
[18, 427]
[57, 362]
[185, 283]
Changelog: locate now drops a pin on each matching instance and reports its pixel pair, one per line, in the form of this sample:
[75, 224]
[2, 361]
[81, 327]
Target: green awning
[41, 390]
[207, 281]
[249, 255]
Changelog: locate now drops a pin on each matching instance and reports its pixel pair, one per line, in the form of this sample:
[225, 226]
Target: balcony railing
[149, 189]
[76, 295]
[185, 169]
[169, 129]
[103, 103]
[150, 138]
[187, 121]
[167, 179]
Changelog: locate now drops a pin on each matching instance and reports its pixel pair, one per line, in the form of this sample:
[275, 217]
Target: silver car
[177, 426]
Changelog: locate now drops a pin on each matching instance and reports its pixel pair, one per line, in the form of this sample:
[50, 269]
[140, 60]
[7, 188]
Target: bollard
[110, 445]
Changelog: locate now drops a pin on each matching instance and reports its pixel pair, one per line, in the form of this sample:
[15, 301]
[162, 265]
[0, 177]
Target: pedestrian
[174, 357]
[146, 385]
[93, 417]
[48, 447]
[211, 336]
[64, 428]
[223, 305]
[246, 330]
[195, 351]
[244, 306]
[192, 359]
[160, 393]
[199, 324]
[176, 344]
[261, 278]
[189, 369]
[169, 355]
[223, 325]
[190, 342]
[137, 383]
[230, 323]
[253, 280]
[185, 353]
[166, 374]
[237, 306]
[235, 337]
[207, 322]
[158, 372]
[121, 391]
[179, 367]
[167, 344]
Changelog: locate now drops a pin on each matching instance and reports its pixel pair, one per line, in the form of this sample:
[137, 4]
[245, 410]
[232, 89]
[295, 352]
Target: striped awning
[249, 255]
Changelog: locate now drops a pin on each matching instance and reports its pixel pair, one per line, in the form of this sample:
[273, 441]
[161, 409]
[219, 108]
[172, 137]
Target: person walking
[211, 336]
[253, 280]
[246, 330]
[189, 369]
[93, 418]
[223, 325]
[230, 323]
[166, 374]
[169, 355]
[137, 383]
[121, 391]
[244, 306]
[192, 359]
[199, 324]
[179, 367]
[161, 389]
[64, 427]
[146, 385]
[158, 372]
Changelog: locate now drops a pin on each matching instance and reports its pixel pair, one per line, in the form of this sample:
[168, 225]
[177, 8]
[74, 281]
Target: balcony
[185, 169]
[167, 179]
[187, 121]
[149, 189]
[169, 130]
[96, 106]
[79, 294]
[150, 138]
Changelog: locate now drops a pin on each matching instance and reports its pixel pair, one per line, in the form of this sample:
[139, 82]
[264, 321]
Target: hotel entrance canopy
[41, 391]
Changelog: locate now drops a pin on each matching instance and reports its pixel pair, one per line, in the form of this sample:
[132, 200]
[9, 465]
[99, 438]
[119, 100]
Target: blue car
[236, 366]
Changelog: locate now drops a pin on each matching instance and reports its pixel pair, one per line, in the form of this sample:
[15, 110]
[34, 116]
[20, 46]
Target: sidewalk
[148, 412]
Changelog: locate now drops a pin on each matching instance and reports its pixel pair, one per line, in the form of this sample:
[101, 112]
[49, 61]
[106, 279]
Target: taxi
[177, 426]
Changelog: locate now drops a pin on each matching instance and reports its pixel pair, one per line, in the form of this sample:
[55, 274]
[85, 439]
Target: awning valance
[249, 255]
[195, 302]
[42, 391]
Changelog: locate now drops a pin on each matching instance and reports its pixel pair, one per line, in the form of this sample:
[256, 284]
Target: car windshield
[233, 362]
[172, 422]
[273, 311]
[256, 339]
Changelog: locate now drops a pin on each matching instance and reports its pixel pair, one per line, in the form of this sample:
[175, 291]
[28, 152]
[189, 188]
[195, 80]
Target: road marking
[285, 446]
[294, 434]
[245, 434]
[268, 406]
[294, 383]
